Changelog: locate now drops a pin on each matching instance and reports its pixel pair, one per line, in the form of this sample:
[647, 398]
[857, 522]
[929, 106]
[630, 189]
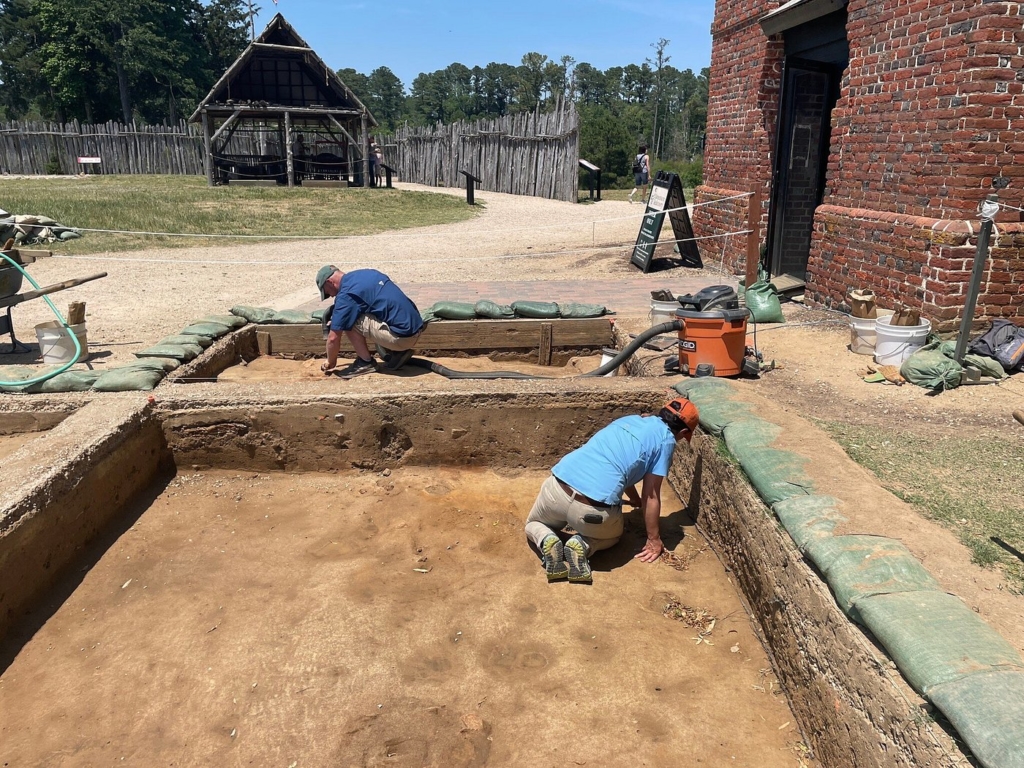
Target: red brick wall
[928, 122]
[746, 68]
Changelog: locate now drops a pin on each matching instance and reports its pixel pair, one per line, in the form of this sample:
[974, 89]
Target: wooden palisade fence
[32, 147]
[528, 153]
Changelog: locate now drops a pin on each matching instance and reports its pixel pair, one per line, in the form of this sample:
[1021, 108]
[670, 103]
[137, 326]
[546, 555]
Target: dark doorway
[817, 53]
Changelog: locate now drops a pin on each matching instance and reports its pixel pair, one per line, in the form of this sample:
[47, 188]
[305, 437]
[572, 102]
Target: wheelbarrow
[11, 282]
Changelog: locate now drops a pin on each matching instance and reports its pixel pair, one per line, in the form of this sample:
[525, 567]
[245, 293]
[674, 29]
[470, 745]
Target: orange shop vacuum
[712, 340]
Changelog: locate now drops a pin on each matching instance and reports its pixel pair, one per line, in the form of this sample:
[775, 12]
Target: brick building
[872, 130]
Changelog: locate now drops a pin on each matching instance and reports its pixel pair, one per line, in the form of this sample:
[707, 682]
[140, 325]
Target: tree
[660, 60]
[531, 81]
[385, 97]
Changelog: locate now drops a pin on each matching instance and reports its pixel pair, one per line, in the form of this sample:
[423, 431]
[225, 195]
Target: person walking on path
[367, 305]
[641, 173]
[585, 490]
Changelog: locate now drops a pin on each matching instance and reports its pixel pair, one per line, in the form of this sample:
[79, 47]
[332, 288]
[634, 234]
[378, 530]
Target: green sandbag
[231, 321]
[714, 400]
[165, 364]
[128, 379]
[69, 381]
[184, 352]
[582, 310]
[253, 314]
[293, 317]
[928, 367]
[535, 309]
[763, 304]
[934, 638]
[775, 474]
[808, 518]
[16, 373]
[202, 341]
[857, 567]
[318, 314]
[493, 311]
[452, 310]
[210, 330]
[987, 710]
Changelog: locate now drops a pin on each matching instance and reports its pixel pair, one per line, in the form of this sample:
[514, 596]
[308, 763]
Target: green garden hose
[63, 322]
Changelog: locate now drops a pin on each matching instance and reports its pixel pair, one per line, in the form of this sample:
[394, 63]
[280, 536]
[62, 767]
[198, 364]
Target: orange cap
[682, 410]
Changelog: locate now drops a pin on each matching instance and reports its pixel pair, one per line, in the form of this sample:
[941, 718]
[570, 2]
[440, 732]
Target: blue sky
[413, 36]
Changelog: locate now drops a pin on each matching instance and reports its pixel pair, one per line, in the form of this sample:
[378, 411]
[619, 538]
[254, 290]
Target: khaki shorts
[379, 333]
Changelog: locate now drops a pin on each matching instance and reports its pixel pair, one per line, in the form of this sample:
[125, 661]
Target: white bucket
[663, 311]
[607, 355]
[56, 344]
[862, 333]
[895, 343]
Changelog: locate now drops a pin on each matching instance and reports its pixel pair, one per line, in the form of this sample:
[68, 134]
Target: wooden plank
[544, 351]
[265, 342]
[589, 333]
[252, 183]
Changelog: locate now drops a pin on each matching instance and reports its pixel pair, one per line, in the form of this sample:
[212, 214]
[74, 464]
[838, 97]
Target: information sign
[666, 195]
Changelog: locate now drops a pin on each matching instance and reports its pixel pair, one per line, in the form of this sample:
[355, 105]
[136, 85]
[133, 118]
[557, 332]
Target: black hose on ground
[627, 352]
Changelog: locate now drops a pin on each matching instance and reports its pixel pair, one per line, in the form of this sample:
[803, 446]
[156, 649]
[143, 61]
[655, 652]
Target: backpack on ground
[1005, 342]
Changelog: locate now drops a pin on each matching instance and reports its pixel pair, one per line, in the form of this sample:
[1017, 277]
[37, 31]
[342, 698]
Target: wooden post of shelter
[364, 126]
[754, 227]
[207, 155]
[289, 151]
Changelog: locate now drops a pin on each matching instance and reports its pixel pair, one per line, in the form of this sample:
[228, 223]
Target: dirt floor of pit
[276, 369]
[399, 619]
[11, 443]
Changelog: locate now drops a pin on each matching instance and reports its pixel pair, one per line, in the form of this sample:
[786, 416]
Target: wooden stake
[753, 246]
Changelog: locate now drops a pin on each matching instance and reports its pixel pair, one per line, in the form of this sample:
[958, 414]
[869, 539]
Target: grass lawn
[185, 204]
[971, 486]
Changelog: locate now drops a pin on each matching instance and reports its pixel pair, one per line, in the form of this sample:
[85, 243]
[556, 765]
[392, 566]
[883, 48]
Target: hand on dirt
[652, 551]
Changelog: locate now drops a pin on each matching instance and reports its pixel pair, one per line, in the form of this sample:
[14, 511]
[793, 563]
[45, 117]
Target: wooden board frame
[481, 336]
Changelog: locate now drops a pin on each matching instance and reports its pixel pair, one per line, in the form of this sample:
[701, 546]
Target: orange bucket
[717, 337]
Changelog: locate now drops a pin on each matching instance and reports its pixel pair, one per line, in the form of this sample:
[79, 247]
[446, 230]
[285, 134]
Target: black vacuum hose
[611, 365]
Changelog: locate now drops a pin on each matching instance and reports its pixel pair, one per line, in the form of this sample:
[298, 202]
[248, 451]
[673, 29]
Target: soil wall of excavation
[495, 430]
[854, 707]
[44, 530]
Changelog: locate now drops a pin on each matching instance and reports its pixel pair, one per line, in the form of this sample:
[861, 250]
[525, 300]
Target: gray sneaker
[553, 558]
[575, 552]
[357, 368]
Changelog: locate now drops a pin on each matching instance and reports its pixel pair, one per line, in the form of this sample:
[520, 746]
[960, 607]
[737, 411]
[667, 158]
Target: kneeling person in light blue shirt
[586, 487]
[367, 305]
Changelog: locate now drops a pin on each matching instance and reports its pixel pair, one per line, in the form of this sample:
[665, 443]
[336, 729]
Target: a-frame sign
[666, 195]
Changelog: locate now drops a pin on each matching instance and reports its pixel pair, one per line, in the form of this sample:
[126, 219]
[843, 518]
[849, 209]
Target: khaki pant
[554, 509]
[379, 333]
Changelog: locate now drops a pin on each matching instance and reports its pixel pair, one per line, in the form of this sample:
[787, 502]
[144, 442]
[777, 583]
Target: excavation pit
[208, 579]
[18, 429]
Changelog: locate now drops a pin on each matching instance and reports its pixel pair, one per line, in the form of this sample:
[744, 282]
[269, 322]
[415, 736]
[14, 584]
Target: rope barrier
[279, 263]
[587, 223]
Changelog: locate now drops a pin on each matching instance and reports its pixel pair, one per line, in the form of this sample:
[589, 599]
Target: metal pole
[289, 154]
[989, 209]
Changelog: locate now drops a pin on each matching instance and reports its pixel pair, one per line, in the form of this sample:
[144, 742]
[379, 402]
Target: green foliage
[115, 59]
[54, 166]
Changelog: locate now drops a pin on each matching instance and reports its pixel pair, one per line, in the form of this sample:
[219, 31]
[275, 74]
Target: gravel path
[152, 293]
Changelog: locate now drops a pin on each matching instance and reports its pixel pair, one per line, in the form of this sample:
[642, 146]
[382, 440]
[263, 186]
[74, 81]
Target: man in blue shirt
[367, 305]
[585, 490]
